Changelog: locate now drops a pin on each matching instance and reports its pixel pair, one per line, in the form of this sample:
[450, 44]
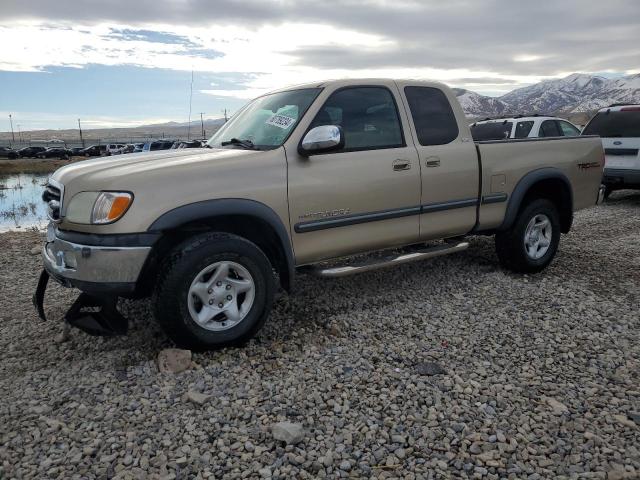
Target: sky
[129, 62]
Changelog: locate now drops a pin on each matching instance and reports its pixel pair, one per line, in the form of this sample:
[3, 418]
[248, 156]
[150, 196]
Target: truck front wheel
[215, 290]
[532, 241]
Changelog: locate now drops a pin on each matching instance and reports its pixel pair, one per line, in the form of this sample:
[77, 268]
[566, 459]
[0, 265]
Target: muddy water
[21, 205]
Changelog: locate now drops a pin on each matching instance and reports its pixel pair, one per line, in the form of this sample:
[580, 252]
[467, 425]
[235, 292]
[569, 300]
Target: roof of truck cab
[346, 82]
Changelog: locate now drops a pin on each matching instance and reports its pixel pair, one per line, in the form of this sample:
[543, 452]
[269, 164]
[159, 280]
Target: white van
[619, 127]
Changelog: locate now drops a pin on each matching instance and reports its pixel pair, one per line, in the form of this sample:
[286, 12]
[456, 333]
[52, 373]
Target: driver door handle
[401, 164]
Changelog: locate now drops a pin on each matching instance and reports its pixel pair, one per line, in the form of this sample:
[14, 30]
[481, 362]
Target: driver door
[365, 196]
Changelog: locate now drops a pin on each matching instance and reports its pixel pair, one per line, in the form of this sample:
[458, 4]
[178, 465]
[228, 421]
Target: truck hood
[120, 170]
[163, 181]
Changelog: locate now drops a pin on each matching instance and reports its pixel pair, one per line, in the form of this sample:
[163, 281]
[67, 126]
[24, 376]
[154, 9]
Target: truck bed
[505, 162]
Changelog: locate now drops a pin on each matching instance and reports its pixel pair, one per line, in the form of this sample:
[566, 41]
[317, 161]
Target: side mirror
[324, 138]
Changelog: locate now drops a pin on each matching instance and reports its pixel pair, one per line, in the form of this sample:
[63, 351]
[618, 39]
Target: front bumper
[94, 269]
[621, 177]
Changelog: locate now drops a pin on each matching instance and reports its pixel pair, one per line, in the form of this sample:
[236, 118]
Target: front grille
[632, 152]
[52, 196]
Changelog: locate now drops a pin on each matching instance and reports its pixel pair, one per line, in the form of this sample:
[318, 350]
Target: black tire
[608, 190]
[510, 244]
[182, 267]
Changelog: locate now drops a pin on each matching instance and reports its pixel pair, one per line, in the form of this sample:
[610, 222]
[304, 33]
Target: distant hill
[133, 134]
[576, 96]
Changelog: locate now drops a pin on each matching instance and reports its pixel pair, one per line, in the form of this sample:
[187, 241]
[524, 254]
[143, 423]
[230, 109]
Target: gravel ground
[539, 374]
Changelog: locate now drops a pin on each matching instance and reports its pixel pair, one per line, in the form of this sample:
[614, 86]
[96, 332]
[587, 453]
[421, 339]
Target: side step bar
[375, 264]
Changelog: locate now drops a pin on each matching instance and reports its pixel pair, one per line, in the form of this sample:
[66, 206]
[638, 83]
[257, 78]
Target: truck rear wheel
[532, 241]
[215, 290]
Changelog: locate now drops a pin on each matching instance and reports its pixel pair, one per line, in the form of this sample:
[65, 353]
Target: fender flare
[230, 206]
[523, 186]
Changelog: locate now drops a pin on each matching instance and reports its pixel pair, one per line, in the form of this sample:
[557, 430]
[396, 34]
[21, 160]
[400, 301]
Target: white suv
[619, 127]
[522, 127]
[114, 148]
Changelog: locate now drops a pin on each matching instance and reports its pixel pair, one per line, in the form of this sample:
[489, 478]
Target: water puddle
[21, 205]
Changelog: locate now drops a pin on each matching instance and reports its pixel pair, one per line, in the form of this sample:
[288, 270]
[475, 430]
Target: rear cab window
[432, 115]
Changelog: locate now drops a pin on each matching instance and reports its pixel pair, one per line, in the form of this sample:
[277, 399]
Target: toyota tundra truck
[307, 174]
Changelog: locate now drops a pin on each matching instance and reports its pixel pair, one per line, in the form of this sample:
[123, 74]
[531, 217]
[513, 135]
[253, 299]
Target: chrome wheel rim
[221, 296]
[537, 236]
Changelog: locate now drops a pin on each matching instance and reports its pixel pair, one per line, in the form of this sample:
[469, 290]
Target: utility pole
[202, 124]
[225, 115]
[80, 129]
[190, 99]
[13, 137]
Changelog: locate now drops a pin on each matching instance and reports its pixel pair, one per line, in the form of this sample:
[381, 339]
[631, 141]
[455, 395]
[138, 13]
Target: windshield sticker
[280, 121]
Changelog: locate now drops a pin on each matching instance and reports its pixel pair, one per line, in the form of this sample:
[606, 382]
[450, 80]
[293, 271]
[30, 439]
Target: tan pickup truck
[299, 176]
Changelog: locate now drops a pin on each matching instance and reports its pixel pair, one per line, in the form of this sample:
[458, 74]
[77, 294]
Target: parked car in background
[534, 126]
[55, 152]
[138, 147]
[158, 145]
[303, 175]
[30, 152]
[114, 148]
[188, 144]
[95, 150]
[128, 148]
[6, 152]
[619, 128]
[75, 151]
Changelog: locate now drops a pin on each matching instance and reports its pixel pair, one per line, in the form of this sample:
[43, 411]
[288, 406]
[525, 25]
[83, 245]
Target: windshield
[491, 131]
[267, 121]
[615, 124]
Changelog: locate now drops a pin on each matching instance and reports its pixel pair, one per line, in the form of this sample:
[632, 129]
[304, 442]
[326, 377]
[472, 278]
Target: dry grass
[33, 165]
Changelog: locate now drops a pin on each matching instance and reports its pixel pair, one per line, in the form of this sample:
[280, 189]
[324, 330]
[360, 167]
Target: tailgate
[622, 153]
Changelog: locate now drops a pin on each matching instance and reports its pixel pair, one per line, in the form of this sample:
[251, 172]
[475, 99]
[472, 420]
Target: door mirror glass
[322, 139]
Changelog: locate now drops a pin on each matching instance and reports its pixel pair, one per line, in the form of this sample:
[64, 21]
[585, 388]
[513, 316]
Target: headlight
[98, 207]
[110, 206]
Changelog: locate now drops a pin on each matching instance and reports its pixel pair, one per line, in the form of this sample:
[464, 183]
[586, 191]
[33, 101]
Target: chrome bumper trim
[94, 264]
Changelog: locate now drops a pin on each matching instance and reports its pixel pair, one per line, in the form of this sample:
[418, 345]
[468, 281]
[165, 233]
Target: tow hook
[95, 315]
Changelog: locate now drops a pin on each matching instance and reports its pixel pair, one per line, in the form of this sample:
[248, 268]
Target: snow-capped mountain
[476, 105]
[575, 93]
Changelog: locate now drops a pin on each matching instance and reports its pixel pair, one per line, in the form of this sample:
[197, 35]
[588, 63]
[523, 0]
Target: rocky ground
[447, 368]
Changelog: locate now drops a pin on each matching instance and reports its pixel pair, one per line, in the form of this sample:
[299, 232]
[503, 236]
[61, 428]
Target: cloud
[285, 41]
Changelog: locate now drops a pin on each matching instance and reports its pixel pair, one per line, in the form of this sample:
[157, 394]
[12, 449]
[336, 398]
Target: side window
[523, 129]
[549, 128]
[368, 117]
[567, 129]
[432, 115]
